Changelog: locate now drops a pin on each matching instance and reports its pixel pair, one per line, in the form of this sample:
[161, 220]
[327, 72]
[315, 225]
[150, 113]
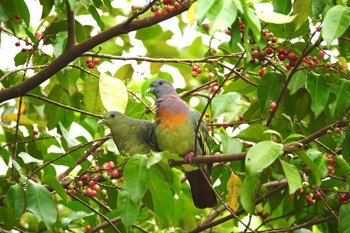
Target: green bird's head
[161, 87]
[110, 118]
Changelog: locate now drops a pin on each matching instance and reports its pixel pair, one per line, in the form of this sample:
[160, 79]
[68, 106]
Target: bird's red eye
[112, 115]
[160, 82]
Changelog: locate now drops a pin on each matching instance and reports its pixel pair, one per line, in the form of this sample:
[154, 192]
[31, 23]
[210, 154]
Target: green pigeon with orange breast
[175, 131]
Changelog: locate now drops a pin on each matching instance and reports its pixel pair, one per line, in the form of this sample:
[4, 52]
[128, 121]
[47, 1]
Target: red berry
[341, 67]
[269, 51]
[292, 56]
[96, 187]
[314, 59]
[37, 35]
[88, 191]
[313, 64]
[158, 14]
[166, 2]
[121, 179]
[256, 53]
[321, 53]
[261, 72]
[91, 183]
[93, 193]
[96, 177]
[337, 129]
[207, 115]
[328, 65]
[318, 28]
[330, 161]
[241, 26]
[91, 65]
[206, 26]
[18, 16]
[168, 9]
[288, 66]
[177, 6]
[97, 168]
[115, 173]
[318, 194]
[88, 60]
[18, 43]
[241, 117]
[73, 192]
[273, 39]
[84, 177]
[273, 105]
[305, 59]
[282, 57]
[209, 127]
[96, 61]
[330, 169]
[88, 228]
[342, 197]
[298, 191]
[35, 132]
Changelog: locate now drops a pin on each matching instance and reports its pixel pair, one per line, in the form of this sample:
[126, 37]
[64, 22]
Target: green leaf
[292, 175]
[113, 92]
[261, 155]
[317, 7]
[342, 93]
[301, 9]
[275, 18]
[346, 143]
[129, 208]
[27, 158]
[96, 17]
[344, 216]
[249, 187]
[78, 215]
[154, 158]
[229, 144]
[136, 177]
[298, 81]
[308, 162]
[57, 186]
[335, 23]
[162, 196]
[254, 133]
[319, 99]
[239, 86]
[253, 21]
[41, 204]
[282, 6]
[92, 97]
[16, 199]
[222, 103]
[125, 72]
[268, 89]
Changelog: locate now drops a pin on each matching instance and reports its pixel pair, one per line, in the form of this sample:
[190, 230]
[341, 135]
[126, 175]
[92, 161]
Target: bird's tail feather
[202, 193]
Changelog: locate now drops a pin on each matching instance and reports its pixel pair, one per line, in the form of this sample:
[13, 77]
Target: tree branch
[72, 53]
[71, 27]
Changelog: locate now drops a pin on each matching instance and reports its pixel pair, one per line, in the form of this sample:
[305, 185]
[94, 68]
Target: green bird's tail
[202, 193]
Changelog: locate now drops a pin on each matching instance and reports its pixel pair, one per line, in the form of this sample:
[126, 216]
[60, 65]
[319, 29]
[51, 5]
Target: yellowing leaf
[234, 187]
[113, 92]
[343, 62]
[24, 120]
[23, 106]
[190, 13]
[275, 18]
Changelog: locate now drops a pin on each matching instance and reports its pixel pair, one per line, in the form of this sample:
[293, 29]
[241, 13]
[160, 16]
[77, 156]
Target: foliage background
[275, 87]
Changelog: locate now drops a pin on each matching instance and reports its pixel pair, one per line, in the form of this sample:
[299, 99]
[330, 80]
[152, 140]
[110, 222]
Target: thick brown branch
[71, 27]
[77, 50]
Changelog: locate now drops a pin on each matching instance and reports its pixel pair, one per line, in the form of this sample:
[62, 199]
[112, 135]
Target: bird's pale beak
[150, 90]
[102, 121]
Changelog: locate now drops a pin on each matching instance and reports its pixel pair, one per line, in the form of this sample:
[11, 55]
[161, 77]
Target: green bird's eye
[160, 82]
[112, 115]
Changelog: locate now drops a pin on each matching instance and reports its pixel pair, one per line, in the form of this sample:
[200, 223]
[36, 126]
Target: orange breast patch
[171, 120]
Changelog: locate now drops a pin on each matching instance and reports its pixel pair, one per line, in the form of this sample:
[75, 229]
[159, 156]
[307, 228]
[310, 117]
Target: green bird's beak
[101, 122]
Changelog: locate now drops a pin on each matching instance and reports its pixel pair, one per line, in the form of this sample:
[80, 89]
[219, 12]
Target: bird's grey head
[161, 87]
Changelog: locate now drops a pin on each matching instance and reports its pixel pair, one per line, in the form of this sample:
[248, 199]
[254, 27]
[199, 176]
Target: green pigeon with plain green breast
[175, 131]
[131, 136]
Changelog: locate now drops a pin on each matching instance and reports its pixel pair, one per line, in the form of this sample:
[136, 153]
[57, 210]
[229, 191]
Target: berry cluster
[330, 164]
[196, 69]
[164, 7]
[92, 62]
[262, 214]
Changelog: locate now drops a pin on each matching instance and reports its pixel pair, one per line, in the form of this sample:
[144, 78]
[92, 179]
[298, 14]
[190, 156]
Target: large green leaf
[129, 208]
[298, 81]
[220, 13]
[268, 89]
[282, 6]
[254, 133]
[96, 17]
[301, 9]
[275, 18]
[318, 89]
[249, 187]
[92, 97]
[342, 93]
[136, 177]
[344, 216]
[308, 162]
[78, 215]
[57, 186]
[292, 175]
[162, 196]
[41, 204]
[225, 103]
[16, 200]
[262, 155]
[252, 19]
[335, 23]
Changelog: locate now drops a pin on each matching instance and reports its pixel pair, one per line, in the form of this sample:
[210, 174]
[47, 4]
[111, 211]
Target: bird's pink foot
[188, 157]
